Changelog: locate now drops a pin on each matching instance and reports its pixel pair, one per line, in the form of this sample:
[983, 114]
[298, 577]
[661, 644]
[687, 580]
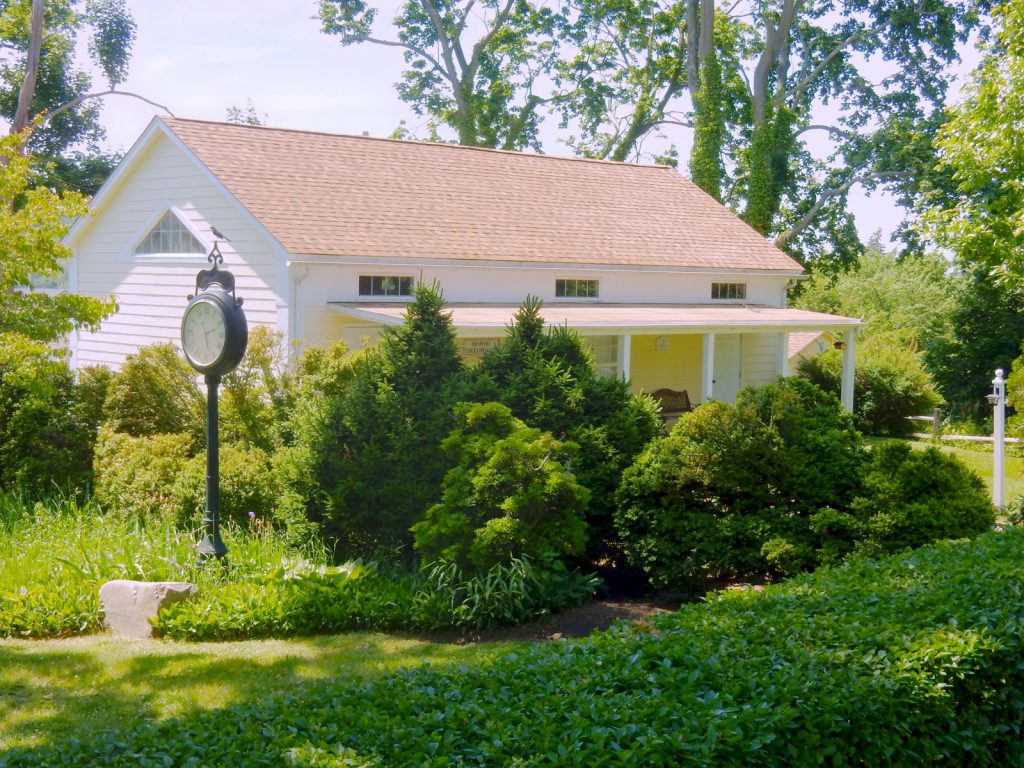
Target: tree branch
[481, 44]
[805, 221]
[48, 116]
[411, 48]
[840, 132]
[805, 82]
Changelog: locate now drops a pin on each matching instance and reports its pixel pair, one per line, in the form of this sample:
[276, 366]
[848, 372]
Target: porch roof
[491, 319]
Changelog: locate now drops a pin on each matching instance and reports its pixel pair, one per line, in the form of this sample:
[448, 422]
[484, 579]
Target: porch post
[625, 352]
[849, 365]
[782, 354]
[707, 371]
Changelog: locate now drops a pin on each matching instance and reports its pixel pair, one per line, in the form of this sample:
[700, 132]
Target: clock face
[203, 333]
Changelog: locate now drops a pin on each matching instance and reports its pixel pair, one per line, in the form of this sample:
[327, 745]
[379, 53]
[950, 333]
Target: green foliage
[910, 498]
[508, 496]
[33, 221]
[890, 384]
[156, 392]
[54, 557]
[988, 327]
[983, 221]
[47, 424]
[731, 488]
[706, 168]
[548, 380]
[136, 476]
[160, 477]
[486, 93]
[258, 396]
[66, 138]
[908, 300]
[299, 598]
[366, 462]
[910, 660]
[248, 487]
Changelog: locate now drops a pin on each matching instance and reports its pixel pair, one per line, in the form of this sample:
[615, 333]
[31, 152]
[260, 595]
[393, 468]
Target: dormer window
[576, 289]
[170, 235]
[728, 290]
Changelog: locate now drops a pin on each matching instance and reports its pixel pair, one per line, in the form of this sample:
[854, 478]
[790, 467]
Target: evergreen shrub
[909, 498]
[366, 464]
[508, 496]
[548, 379]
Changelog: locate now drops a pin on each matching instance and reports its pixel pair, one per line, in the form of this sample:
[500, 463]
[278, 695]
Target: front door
[727, 367]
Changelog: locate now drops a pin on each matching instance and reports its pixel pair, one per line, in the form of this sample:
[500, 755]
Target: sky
[198, 57]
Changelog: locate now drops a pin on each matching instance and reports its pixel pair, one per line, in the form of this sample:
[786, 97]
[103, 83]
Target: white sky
[199, 57]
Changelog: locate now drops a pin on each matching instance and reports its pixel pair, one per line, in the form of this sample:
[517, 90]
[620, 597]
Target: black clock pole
[212, 545]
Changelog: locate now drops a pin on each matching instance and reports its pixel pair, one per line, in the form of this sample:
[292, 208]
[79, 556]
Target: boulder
[128, 605]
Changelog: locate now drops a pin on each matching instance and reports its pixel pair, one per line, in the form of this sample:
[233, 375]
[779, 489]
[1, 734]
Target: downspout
[295, 324]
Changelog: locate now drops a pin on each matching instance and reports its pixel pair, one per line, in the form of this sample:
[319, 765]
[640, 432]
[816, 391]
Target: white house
[327, 234]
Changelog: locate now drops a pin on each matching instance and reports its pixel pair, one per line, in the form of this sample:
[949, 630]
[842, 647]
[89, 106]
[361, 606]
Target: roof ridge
[441, 145]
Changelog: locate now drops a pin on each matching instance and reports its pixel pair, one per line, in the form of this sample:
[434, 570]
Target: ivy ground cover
[914, 659]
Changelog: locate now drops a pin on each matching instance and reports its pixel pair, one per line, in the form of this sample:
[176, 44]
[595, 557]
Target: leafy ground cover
[69, 688]
[909, 660]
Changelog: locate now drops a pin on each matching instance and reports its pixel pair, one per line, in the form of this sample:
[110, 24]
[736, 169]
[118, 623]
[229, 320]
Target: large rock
[128, 605]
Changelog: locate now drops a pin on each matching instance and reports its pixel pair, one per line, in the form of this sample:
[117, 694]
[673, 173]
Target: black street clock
[214, 335]
[214, 332]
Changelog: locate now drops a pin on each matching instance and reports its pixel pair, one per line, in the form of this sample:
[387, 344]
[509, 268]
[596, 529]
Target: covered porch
[708, 351]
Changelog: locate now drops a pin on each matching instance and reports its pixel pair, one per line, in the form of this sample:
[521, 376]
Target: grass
[979, 460]
[54, 690]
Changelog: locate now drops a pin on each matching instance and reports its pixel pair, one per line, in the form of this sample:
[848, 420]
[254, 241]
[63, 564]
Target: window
[576, 289]
[170, 235]
[728, 290]
[606, 354]
[384, 285]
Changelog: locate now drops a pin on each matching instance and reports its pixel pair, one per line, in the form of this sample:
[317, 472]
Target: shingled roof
[334, 195]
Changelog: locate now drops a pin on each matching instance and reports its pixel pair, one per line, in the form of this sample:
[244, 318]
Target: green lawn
[979, 459]
[55, 689]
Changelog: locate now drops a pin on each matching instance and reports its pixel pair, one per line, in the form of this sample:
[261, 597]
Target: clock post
[214, 335]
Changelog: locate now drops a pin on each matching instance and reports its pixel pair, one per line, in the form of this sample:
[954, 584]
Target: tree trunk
[28, 83]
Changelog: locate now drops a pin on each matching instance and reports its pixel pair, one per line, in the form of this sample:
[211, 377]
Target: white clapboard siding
[151, 292]
[758, 365]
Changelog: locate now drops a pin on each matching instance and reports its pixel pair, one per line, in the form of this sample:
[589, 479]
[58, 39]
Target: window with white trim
[170, 235]
[728, 290]
[385, 285]
[576, 289]
[606, 354]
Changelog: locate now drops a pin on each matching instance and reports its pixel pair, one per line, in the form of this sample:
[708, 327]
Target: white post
[625, 352]
[707, 373]
[998, 400]
[782, 354]
[849, 366]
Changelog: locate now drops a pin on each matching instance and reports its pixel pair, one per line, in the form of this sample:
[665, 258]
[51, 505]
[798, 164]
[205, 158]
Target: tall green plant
[373, 450]
[508, 496]
[548, 379]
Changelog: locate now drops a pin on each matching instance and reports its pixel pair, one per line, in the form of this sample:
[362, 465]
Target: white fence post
[998, 400]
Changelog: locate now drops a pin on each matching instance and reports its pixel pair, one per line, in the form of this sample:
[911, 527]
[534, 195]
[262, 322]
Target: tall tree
[752, 81]
[43, 84]
[476, 67]
[982, 219]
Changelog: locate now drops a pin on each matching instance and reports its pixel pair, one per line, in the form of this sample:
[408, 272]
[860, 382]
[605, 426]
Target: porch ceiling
[482, 319]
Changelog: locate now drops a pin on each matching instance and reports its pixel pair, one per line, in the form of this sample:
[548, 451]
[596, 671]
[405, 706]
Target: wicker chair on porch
[673, 404]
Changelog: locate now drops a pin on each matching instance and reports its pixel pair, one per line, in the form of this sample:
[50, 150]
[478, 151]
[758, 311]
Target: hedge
[915, 659]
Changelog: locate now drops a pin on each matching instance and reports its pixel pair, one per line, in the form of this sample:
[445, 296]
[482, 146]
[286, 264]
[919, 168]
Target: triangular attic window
[170, 236]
